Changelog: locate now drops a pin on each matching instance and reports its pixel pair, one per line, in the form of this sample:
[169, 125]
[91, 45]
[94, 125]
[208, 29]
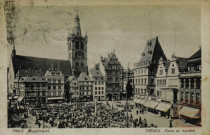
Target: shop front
[150, 105]
[190, 114]
[163, 109]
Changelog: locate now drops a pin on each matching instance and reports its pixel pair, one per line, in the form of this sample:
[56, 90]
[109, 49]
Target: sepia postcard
[105, 67]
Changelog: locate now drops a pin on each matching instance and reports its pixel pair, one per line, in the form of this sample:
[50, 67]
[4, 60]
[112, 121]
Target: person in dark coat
[170, 124]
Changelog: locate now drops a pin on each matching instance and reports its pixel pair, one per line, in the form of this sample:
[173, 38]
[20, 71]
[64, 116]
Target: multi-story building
[55, 82]
[32, 89]
[76, 62]
[74, 88]
[145, 70]
[99, 84]
[167, 85]
[190, 92]
[85, 87]
[77, 49]
[112, 70]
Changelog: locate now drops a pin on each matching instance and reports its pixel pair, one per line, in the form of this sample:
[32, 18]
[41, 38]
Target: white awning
[142, 102]
[163, 106]
[138, 101]
[190, 112]
[135, 100]
[151, 104]
[20, 98]
[54, 98]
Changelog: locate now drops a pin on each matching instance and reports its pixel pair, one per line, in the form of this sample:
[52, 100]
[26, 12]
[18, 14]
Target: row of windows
[191, 98]
[161, 82]
[141, 71]
[172, 71]
[192, 83]
[86, 88]
[36, 94]
[79, 55]
[54, 87]
[141, 81]
[141, 64]
[85, 83]
[99, 92]
[79, 45]
[99, 83]
[86, 93]
[99, 88]
[54, 93]
[113, 73]
[113, 79]
[53, 80]
[143, 91]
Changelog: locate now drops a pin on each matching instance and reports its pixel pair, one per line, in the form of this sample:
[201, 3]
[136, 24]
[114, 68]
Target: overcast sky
[42, 31]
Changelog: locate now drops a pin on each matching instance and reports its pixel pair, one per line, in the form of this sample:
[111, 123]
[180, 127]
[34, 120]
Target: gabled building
[85, 87]
[74, 88]
[146, 69]
[99, 84]
[55, 83]
[112, 70]
[32, 89]
[168, 86]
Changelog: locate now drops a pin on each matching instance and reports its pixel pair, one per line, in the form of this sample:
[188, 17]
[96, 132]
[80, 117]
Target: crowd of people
[86, 115]
[17, 115]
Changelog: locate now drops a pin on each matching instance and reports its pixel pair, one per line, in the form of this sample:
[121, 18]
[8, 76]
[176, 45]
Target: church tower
[77, 49]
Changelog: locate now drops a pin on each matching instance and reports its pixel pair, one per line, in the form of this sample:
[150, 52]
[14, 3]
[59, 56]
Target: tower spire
[77, 29]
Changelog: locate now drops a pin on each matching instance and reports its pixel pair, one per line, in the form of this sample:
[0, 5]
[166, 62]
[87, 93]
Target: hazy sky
[42, 31]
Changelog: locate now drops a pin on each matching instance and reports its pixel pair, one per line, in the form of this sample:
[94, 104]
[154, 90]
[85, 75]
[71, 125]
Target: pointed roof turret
[77, 29]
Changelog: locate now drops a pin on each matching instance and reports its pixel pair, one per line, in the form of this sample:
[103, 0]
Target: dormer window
[161, 72]
[150, 51]
[149, 43]
[173, 71]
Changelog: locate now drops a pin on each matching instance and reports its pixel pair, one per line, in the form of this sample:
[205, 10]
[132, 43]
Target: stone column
[194, 98]
[189, 91]
[184, 83]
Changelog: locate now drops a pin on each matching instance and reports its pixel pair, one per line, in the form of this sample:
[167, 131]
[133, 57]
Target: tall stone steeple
[77, 49]
[77, 29]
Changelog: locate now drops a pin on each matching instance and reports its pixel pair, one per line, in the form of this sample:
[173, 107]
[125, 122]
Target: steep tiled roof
[29, 72]
[42, 64]
[32, 79]
[152, 51]
[196, 55]
[84, 77]
[95, 73]
[70, 78]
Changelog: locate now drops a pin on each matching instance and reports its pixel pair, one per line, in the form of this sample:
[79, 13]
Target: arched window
[77, 44]
[82, 45]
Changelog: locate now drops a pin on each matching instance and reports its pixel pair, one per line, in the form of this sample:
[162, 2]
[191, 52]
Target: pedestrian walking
[170, 124]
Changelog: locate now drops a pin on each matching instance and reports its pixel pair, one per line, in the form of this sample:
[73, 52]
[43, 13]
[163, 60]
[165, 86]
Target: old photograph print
[103, 66]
